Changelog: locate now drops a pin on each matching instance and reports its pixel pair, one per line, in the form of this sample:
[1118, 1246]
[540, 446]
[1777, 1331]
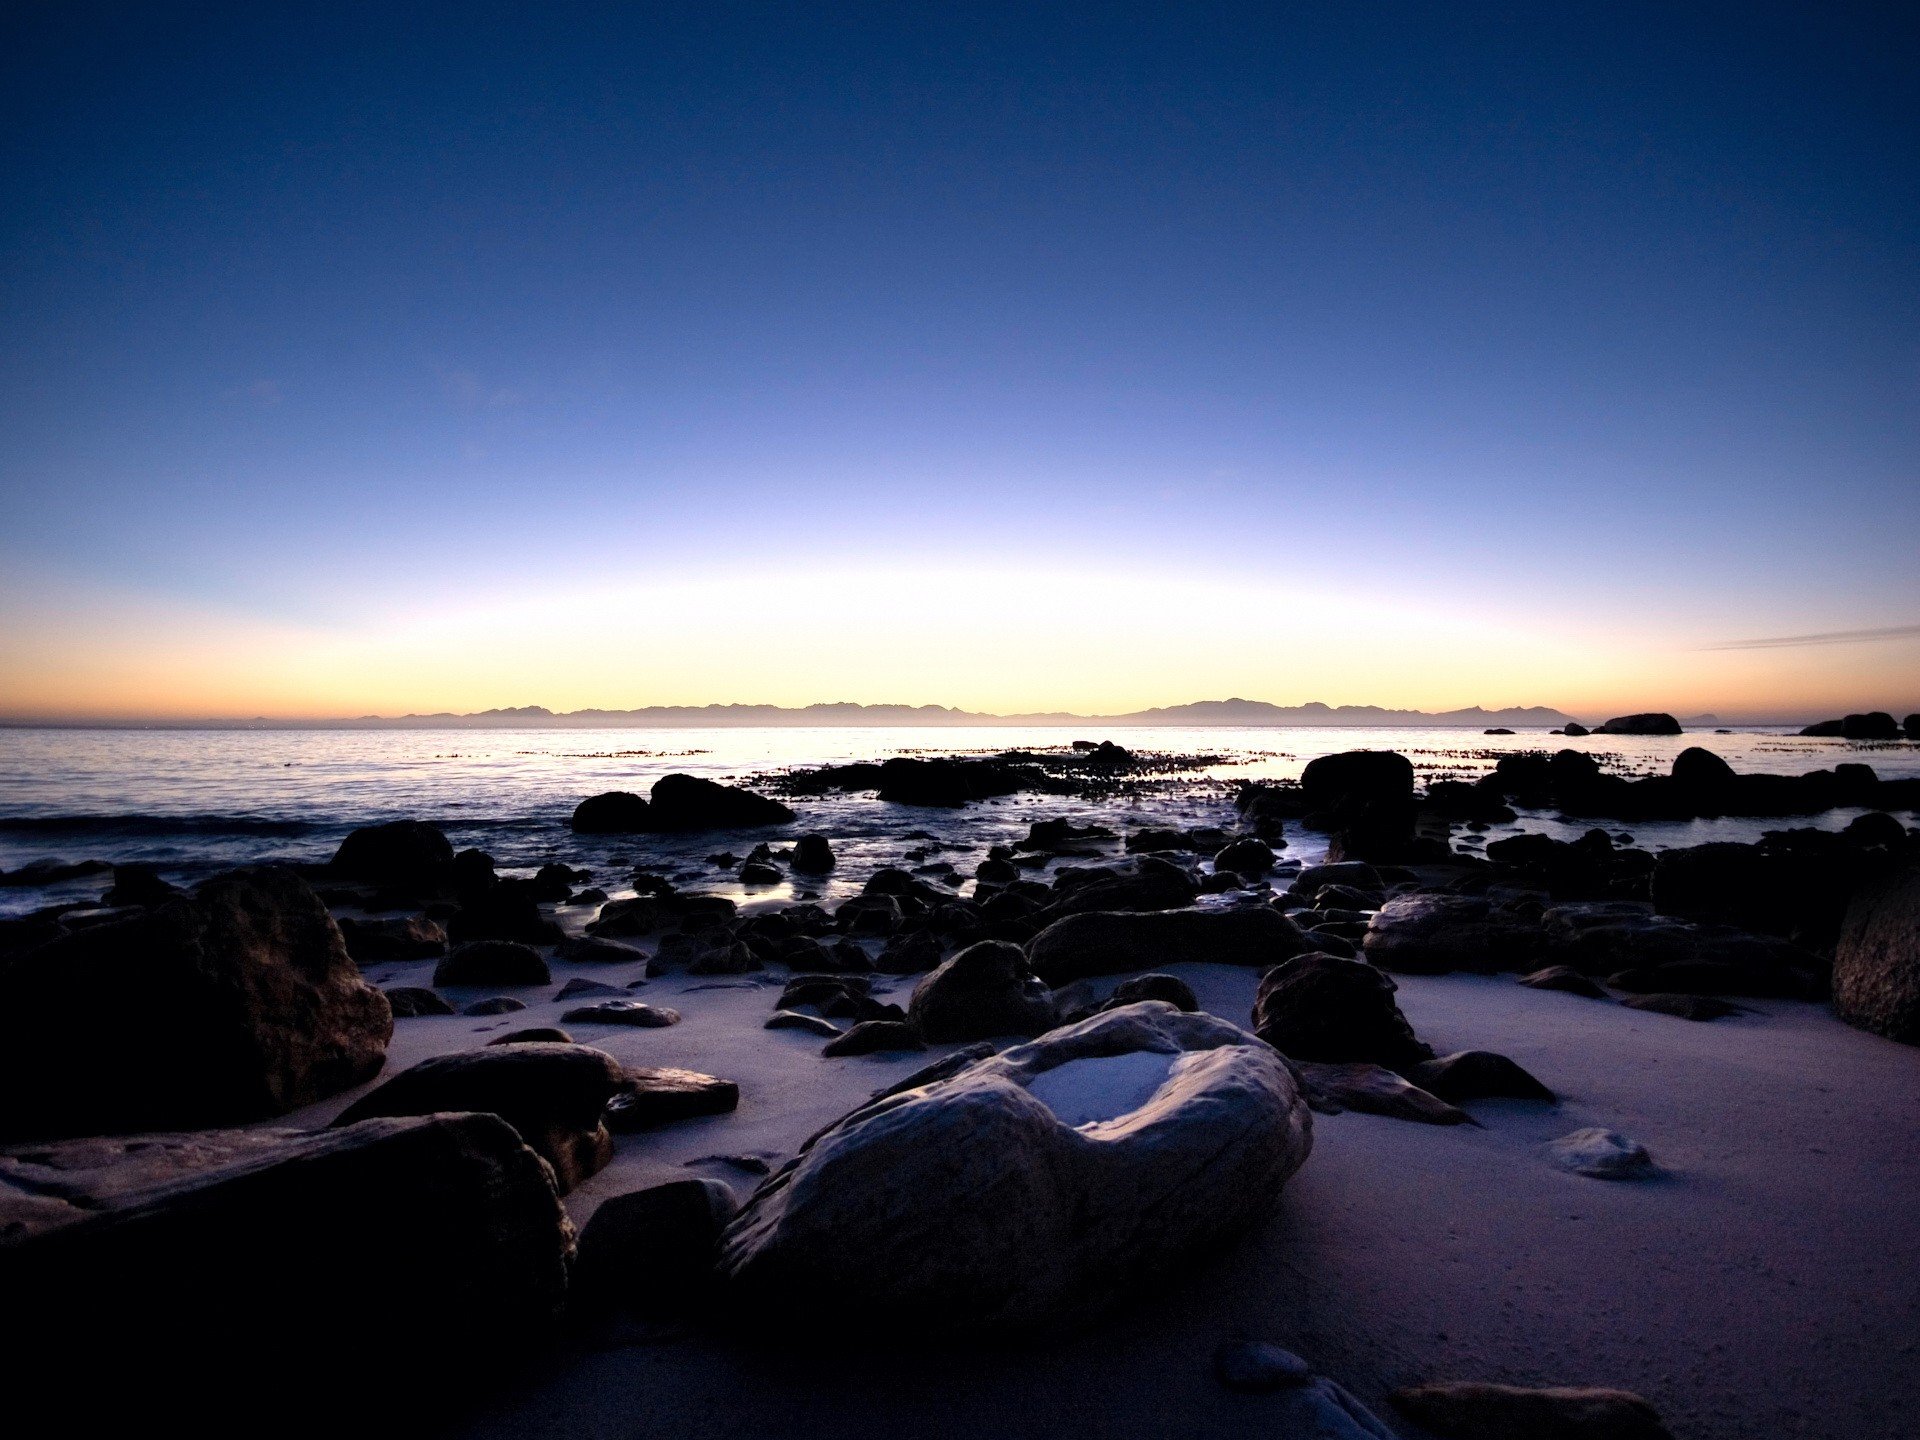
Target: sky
[384, 359]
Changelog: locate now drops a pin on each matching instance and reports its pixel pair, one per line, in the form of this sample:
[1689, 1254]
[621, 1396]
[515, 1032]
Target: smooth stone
[1602, 1154]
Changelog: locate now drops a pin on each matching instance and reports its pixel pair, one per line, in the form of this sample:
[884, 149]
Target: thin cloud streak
[1830, 637]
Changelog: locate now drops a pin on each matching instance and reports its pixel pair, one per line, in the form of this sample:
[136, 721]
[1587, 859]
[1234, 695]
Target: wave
[156, 825]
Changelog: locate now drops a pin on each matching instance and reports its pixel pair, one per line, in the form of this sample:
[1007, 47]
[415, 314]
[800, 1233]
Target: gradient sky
[1020, 357]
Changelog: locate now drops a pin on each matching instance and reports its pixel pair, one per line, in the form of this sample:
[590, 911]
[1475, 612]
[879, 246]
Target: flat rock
[1684, 1007]
[1477, 1075]
[1565, 977]
[1374, 1090]
[875, 1037]
[662, 1096]
[800, 1020]
[636, 1013]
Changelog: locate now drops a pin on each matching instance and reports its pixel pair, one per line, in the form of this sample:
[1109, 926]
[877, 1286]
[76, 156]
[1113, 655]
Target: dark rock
[1247, 856]
[1602, 1155]
[1463, 1410]
[580, 986]
[756, 873]
[1477, 1075]
[651, 1252]
[235, 1004]
[1106, 943]
[874, 1037]
[618, 812]
[984, 991]
[1565, 977]
[1167, 988]
[408, 855]
[495, 1005]
[508, 910]
[812, 855]
[1873, 725]
[409, 1001]
[52, 872]
[492, 962]
[799, 1020]
[950, 783]
[1703, 773]
[1322, 1008]
[662, 1096]
[1652, 722]
[1426, 934]
[554, 1095]
[1143, 882]
[534, 1035]
[1662, 953]
[139, 885]
[1876, 968]
[688, 803]
[1373, 1090]
[911, 954]
[1684, 1007]
[970, 1204]
[1357, 775]
[623, 1012]
[594, 950]
[1575, 728]
[379, 942]
[204, 1258]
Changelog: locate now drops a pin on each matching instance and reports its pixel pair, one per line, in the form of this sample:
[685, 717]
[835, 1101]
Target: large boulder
[1384, 776]
[1427, 934]
[949, 783]
[651, 1251]
[493, 962]
[1031, 1187]
[403, 854]
[617, 812]
[1321, 1007]
[555, 1096]
[1870, 725]
[1642, 951]
[687, 802]
[221, 1262]
[1142, 882]
[985, 990]
[1113, 942]
[237, 1003]
[1876, 968]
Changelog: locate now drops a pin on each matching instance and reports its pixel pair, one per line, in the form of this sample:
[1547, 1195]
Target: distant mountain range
[1198, 714]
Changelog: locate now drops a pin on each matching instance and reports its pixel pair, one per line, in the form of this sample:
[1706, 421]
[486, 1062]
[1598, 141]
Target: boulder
[1876, 968]
[1248, 856]
[1168, 988]
[1461, 1410]
[617, 812]
[231, 1263]
[1357, 775]
[634, 1013]
[1565, 977]
[1108, 943]
[379, 942]
[651, 1252]
[595, 950]
[408, 855]
[688, 802]
[492, 962]
[812, 855]
[1142, 882]
[984, 991]
[662, 1096]
[555, 1096]
[534, 1035]
[1427, 934]
[237, 1003]
[1872, 725]
[1320, 1007]
[1032, 1187]
[408, 1001]
[1477, 1075]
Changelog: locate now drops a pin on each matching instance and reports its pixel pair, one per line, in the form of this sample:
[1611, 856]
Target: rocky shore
[1156, 1124]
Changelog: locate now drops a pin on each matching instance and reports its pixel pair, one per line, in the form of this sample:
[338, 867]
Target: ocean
[193, 801]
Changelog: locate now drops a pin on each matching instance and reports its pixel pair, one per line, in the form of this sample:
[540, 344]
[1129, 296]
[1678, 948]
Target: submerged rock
[1030, 1187]
[237, 1003]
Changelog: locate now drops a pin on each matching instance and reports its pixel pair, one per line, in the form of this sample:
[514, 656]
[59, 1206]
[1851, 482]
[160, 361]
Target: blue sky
[1593, 328]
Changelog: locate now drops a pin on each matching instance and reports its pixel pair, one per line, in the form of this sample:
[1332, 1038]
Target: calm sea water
[192, 801]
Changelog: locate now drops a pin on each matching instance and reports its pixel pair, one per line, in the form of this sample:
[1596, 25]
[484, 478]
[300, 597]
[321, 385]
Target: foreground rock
[650, 1252]
[1030, 1187]
[663, 1096]
[1108, 943]
[234, 1004]
[1876, 968]
[555, 1096]
[985, 990]
[1321, 1007]
[1374, 1090]
[205, 1261]
[1470, 1411]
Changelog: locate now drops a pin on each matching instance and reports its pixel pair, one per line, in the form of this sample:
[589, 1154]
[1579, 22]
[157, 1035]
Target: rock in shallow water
[965, 1204]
